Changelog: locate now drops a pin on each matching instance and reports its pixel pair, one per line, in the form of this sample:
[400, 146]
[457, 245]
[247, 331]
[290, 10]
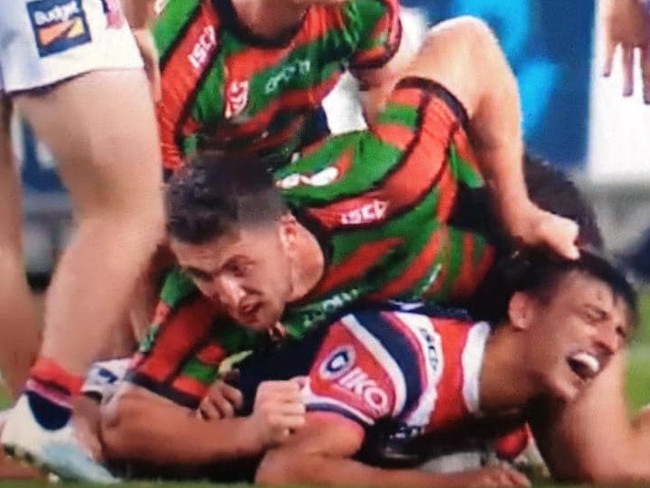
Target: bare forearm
[281, 468]
[159, 433]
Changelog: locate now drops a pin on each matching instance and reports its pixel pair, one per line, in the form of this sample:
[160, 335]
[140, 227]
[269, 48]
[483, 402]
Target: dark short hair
[548, 187]
[218, 192]
[539, 273]
[551, 189]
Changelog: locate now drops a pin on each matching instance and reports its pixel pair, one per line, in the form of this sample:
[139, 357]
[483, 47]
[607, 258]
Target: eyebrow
[199, 272]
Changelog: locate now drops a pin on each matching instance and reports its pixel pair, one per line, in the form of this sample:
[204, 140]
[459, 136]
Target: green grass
[638, 387]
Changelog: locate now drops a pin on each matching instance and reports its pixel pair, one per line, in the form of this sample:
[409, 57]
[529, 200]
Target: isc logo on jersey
[58, 25]
[368, 213]
[203, 47]
[236, 99]
[340, 367]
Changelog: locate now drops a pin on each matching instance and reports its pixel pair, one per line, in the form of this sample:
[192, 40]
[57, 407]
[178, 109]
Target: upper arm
[328, 434]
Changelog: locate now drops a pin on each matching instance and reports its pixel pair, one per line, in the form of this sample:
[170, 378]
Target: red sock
[49, 374]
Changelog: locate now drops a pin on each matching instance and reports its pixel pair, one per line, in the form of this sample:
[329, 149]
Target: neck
[308, 264]
[504, 384]
[269, 19]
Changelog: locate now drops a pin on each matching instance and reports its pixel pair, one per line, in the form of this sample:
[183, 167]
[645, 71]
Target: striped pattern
[285, 82]
[409, 161]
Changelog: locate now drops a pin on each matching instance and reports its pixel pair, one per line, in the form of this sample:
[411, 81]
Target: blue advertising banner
[549, 45]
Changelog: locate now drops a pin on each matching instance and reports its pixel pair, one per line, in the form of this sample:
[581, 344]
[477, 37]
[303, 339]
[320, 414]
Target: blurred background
[572, 117]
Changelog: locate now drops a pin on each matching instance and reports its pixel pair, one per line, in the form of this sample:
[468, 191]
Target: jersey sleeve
[365, 370]
[415, 153]
[176, 338]
[185, 33]
[378, 30]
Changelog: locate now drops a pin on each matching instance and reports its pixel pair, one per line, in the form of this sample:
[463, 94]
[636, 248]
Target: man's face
[573, 333]
[246, 271]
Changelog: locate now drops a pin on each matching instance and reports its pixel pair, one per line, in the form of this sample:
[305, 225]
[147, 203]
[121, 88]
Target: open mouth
[584, 365]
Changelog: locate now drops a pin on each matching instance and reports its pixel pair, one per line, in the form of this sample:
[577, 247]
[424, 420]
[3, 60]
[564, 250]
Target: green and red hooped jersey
[378, 202]
[225, 88]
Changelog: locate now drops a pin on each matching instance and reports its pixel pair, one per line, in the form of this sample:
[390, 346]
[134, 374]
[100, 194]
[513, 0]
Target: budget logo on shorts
[339, 362]
[58, 25]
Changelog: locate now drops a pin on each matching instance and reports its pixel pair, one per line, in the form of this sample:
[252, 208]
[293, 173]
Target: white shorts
[43, 42]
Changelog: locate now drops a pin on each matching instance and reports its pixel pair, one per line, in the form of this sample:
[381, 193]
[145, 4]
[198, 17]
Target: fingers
[645, 72]
[537, 228]
[561, 236]
[286, 391]
[610, 49]
[497, 476]
[280, 409]
[515, 478]
[208, 410]
[627, 58]
[222, 401]
[233, 396]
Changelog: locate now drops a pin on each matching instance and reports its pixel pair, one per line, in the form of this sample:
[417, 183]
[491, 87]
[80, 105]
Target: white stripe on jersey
[472, 362]
[427, 338]
[383, 357]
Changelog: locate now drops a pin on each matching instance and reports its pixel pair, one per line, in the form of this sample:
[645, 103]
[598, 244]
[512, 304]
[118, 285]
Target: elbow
[278, 467]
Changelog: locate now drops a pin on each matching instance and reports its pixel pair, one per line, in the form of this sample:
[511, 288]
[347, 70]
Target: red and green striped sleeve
[186, 344]
[377, 29]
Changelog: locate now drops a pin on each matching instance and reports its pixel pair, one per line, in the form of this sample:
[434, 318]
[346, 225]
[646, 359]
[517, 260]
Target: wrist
[252, 440]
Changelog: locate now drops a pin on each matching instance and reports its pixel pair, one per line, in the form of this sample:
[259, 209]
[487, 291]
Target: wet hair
[218, 192]
[539, 274]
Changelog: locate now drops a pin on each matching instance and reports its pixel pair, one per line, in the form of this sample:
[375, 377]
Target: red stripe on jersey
[450, 404]
[180, 79]
[176, 339]
[419, 268]
[355, 266]
[398, 135]
[212, 354]
[389, 24]
[249, 62]
[291, 101]
[424, 166]
[471, 273]
[190, 386]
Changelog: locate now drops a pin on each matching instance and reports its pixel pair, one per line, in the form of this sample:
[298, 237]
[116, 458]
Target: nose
[229, 291]
[609, 339]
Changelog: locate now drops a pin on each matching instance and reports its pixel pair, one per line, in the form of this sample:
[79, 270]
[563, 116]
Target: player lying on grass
[438, 378]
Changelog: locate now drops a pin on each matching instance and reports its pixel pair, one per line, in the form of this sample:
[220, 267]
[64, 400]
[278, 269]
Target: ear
[521, 311]
[288, 230]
